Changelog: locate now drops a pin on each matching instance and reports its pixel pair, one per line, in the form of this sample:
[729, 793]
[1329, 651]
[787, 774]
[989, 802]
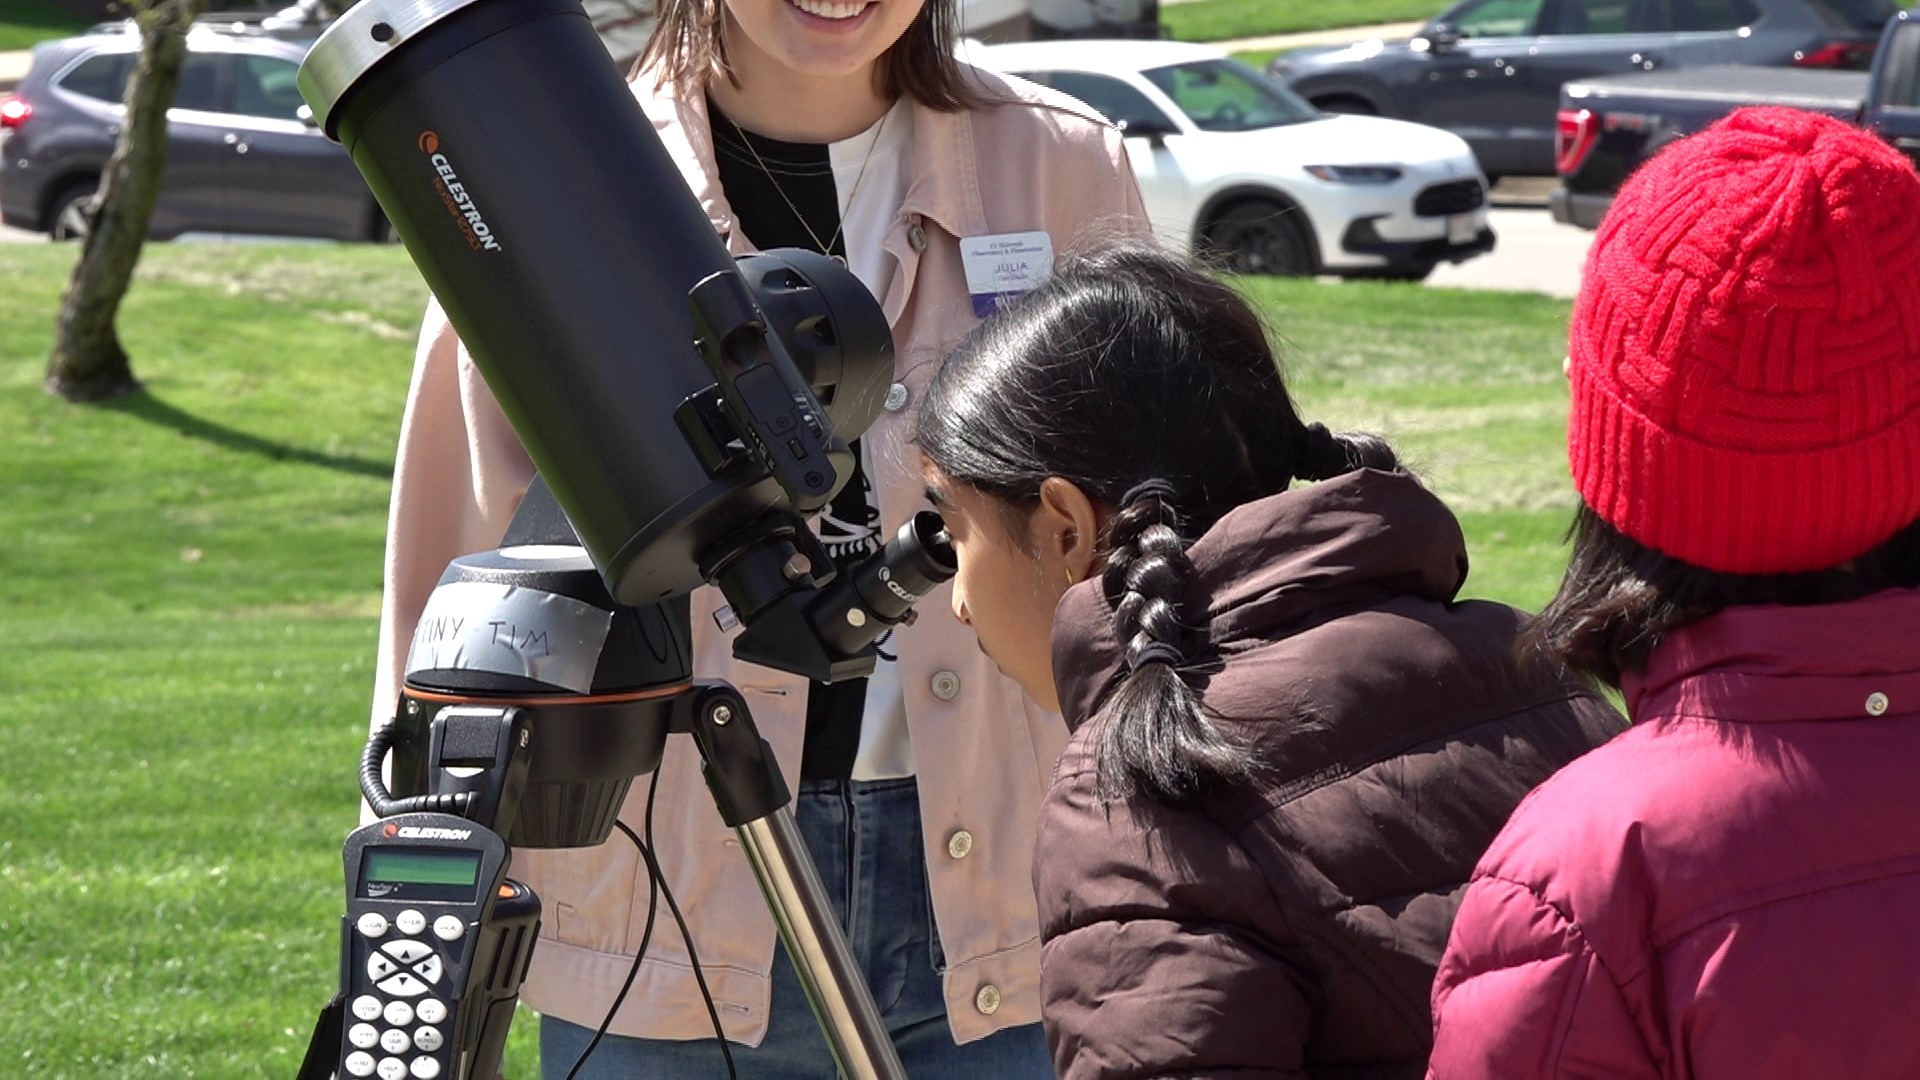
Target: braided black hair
[1156, 739]
[1123, 367]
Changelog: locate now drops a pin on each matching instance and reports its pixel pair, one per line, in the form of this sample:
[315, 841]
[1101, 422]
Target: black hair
[1620, 599]
[1151, 386]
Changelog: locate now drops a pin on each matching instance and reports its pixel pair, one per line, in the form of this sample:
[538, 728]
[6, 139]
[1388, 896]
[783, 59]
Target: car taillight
[14, 112]
[1846, 55]
[1574, 133]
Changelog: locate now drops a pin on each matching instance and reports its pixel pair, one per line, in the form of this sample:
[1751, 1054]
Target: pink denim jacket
[984, 753]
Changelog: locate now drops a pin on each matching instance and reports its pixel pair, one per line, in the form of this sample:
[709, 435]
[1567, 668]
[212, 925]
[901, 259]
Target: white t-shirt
[869, 206]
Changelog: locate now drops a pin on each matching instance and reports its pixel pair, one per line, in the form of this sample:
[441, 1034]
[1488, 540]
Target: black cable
[693, 957]
[646, 935]
[374, 789]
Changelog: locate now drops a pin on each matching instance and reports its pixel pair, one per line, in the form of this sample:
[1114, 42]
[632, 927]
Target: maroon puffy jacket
[1292, 928]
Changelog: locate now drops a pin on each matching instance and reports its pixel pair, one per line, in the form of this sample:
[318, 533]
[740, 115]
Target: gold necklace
[826, 248]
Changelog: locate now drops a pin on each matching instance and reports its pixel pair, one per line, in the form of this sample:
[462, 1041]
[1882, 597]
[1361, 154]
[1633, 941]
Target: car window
[1493, 18]
[199, 83]
[1226, 95]
[1109, 97]
[1595, 17]
[102, 77]
[1855, 14]
[1694, 15]
[264, 86]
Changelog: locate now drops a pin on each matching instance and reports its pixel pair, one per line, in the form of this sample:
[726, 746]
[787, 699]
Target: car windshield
[1227, 95]
[1857, 14]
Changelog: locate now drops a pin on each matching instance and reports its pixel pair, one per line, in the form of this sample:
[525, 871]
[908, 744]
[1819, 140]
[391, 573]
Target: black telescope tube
[563, 242]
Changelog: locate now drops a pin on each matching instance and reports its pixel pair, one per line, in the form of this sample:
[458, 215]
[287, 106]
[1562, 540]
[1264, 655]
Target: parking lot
[1533, 254]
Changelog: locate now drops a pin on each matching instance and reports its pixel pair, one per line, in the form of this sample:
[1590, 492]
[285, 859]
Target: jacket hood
[1285, 560]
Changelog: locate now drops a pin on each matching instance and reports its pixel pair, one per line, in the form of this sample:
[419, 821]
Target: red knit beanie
[1746, 348]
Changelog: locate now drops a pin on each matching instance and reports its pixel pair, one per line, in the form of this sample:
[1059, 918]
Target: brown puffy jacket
[1292, 928]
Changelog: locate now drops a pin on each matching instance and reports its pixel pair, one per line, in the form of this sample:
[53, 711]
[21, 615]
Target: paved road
[1533, 253]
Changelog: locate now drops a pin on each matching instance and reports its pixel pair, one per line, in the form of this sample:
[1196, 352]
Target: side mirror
[1153, 130]
[1439, 37]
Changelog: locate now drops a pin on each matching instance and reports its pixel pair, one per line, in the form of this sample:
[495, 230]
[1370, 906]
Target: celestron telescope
[685, 412]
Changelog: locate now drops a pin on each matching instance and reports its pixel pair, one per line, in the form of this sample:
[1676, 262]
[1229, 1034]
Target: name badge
[1002, 266]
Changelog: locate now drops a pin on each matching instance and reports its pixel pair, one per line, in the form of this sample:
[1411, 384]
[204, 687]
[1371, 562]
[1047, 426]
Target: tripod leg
[753, 798]
[839, 995]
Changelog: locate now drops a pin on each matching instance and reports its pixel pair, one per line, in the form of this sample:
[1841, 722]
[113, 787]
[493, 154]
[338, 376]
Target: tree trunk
[88, 362]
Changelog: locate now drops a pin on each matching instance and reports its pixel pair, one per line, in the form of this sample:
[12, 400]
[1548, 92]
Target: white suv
[1230, 162]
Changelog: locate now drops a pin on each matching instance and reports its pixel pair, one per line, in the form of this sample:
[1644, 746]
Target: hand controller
[434, 945]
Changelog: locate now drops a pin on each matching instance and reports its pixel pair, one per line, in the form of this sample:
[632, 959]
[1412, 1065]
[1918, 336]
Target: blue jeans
[864, 837]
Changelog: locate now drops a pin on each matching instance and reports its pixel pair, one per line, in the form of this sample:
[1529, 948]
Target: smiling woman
[847, 127]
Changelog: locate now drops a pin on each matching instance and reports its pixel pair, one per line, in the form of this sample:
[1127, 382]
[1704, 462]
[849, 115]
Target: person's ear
[1067, 528]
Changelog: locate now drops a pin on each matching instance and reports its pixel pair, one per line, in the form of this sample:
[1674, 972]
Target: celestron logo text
[459, 202]
[429, 832]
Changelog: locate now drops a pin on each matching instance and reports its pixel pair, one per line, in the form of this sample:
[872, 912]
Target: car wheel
[1345, 103]
[1262, 237]
[67, 215]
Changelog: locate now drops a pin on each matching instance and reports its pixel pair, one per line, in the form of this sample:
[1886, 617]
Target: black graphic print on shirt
[783, 195]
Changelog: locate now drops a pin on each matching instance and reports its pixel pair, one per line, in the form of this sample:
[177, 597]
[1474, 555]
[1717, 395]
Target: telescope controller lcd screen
[409, 873]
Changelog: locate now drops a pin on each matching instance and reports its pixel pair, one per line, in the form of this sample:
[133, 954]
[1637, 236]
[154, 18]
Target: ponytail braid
[1155, 739]
[1325, 454]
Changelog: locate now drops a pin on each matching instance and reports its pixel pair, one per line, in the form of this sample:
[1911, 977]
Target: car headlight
[1356, 174]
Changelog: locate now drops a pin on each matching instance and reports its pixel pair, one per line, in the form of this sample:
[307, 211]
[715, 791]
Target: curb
[1342, 36]
[13, 68]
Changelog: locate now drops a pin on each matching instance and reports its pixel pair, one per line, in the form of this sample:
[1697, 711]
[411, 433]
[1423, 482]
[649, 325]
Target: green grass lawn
[190, 583]
[192, 577]
[1222, 20]
[23, 22]
[1467, 387]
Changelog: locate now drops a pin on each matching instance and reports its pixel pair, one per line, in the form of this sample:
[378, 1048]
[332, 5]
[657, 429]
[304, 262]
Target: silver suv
[242, 153]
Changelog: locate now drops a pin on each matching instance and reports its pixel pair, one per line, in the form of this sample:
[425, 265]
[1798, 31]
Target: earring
[1069, 577]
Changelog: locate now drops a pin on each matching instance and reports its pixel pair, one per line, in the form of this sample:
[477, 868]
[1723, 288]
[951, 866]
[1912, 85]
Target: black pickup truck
[1607, 126]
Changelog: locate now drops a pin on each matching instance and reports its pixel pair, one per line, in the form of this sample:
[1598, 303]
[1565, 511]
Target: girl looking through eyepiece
[1291, 739]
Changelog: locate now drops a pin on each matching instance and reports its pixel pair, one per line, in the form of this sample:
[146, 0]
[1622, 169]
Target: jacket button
[960, 844]
[917, 236]
[896, 397]
[987, 1000]
[946, 685]
[1877, 703]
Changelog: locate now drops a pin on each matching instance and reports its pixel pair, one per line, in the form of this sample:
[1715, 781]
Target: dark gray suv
[242, 155]
[1490, 70]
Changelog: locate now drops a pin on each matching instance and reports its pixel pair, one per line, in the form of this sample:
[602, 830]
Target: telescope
[686, 412]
